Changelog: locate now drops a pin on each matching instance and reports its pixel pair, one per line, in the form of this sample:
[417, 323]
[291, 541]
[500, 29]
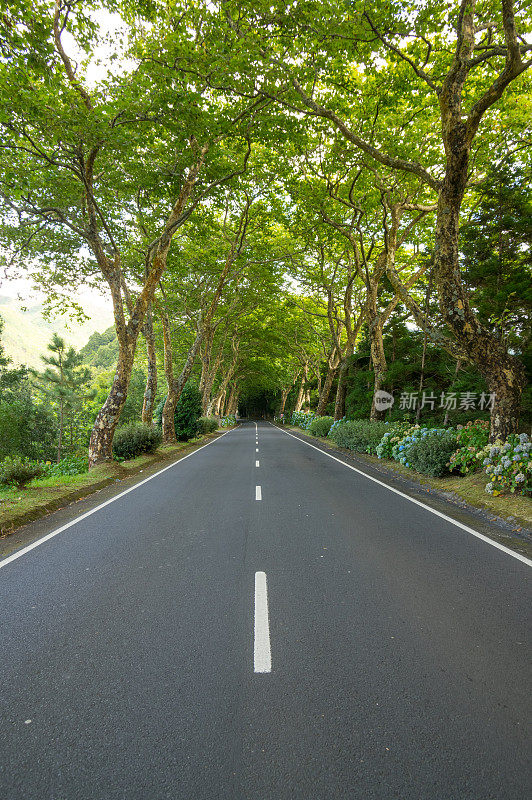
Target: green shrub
[16, 471]
[134, 439]
[226, 422]
[430, 452]
[70, 465]
[320, 426]
[207, 425]
[187, 412]
[471, 439]
[360, 435]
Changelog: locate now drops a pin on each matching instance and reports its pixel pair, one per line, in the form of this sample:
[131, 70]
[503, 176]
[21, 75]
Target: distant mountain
[27, 333]
[101, 351]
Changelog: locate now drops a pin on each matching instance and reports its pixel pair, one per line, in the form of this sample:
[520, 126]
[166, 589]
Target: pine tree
[63, 382]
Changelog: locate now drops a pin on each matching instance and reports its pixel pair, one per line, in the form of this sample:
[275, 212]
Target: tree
[443, 73]
[64, 382]
[26, 427]
[496, 253]
[99, 179]
[186, 413]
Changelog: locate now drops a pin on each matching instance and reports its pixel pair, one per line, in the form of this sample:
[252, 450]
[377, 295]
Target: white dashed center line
[262, 649]
[258, 493]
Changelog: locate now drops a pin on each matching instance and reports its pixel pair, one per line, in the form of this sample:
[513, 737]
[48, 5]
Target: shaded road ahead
[398, 643]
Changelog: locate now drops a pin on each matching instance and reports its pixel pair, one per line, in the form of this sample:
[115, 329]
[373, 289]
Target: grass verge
[44, 495]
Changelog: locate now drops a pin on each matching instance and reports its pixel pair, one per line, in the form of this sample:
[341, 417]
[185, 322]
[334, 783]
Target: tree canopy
[294, 205]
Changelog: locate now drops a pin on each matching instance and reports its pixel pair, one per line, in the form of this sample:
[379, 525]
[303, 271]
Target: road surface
[258, 621]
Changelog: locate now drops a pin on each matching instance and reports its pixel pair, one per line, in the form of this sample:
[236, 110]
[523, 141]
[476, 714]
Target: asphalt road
[397, 643]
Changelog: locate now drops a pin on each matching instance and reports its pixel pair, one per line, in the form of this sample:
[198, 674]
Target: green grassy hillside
[27, 333]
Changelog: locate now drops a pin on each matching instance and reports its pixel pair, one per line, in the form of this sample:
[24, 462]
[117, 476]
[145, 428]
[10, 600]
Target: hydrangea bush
[334, 426]
[430, 451]
[303, 419]
[508, 465]
[225, 422]
[471, 438]
[394, 433]
[399, 450]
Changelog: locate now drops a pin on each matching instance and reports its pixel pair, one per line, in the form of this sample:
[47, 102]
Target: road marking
[256, 449]
[440, 514]
[73, 522]
[257, 464]
[258, 493]
[262, 660]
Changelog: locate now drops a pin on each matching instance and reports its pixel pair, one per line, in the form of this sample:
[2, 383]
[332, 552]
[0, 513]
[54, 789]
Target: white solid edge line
[258, 493]
[466, 528]
[38, 542]
[262, 656]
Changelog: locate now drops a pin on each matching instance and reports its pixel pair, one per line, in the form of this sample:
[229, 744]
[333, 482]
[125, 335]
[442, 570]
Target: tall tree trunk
[424, 355]
[208, 383]
[206, 357]
[218, 402]
[301, 390]
[151, 379]
[168, 424]
[61, 425]
[378, 360]
[101, 440]
[332, 366]
[341, 390]
[284, 395]
[456, 371]
[231, 400]
[221, 403]
[504, 374]
[175, 387]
